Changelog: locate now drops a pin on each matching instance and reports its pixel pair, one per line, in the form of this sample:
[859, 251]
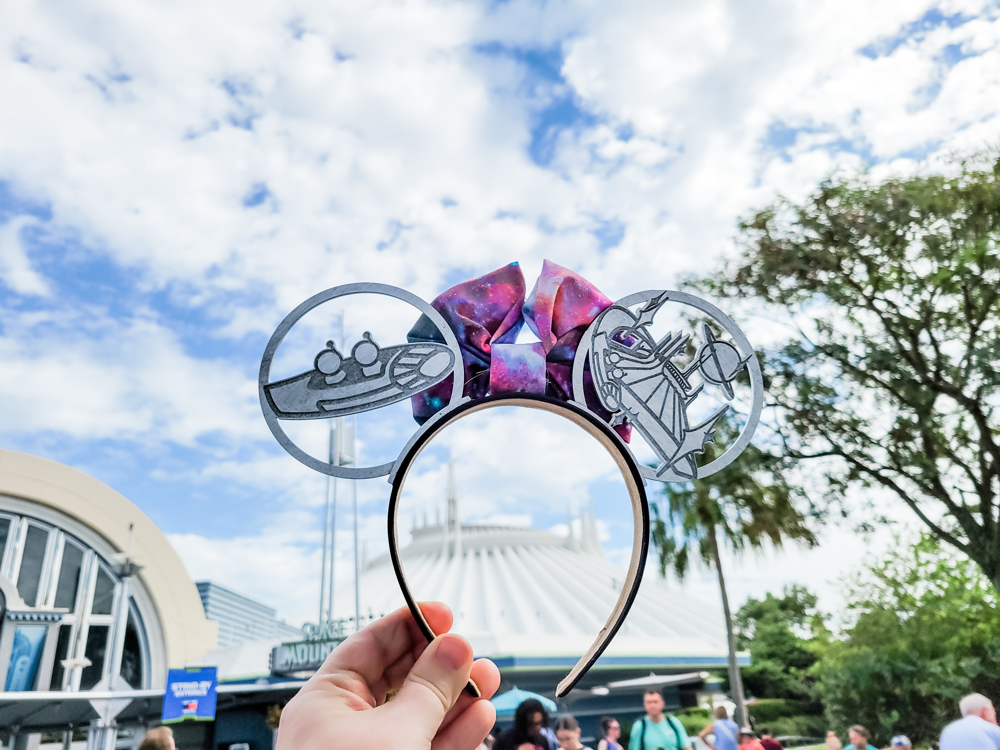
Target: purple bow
[482, 312]
[486, 315]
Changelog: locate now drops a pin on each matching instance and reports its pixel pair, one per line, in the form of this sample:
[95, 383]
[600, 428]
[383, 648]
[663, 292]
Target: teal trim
[557, 662]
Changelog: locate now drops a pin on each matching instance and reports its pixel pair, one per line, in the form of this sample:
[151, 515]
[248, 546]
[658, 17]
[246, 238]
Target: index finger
[371, 651]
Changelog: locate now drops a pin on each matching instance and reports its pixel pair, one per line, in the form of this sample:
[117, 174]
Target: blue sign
[190, 695]
[24, 657]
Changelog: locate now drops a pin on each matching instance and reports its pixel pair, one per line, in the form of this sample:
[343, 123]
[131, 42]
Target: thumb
[433, 686]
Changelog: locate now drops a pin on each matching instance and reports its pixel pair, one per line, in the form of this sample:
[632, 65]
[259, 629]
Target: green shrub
[694, 719]
[769, 709]
[797, 726]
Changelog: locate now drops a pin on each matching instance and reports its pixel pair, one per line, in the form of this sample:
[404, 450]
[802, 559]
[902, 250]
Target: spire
[571, 540]
[454, 518]
[445, 528]
[593, 543]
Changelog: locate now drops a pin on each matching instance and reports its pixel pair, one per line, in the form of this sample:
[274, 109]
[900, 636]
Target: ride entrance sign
[666, 366]
[190, 695]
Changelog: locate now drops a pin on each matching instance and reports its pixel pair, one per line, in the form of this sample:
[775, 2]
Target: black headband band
[622, 457]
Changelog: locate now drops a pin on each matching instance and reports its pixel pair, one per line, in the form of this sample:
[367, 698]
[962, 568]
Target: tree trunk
[735, 681]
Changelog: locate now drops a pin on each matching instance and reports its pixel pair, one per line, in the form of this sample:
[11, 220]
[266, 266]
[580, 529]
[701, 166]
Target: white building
[240, 618]
[95, 607]
[533, 601]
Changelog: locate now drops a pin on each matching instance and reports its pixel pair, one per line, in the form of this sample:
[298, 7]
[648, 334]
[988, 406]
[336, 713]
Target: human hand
[343, 707]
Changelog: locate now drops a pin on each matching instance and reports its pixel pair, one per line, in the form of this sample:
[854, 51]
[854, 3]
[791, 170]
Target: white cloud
[277, 570]
[92, 377]
[389, 142]
[15, 267]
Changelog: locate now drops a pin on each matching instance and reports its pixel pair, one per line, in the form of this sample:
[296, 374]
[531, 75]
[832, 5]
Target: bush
[768, 709]
[694, 719]
[794, 726]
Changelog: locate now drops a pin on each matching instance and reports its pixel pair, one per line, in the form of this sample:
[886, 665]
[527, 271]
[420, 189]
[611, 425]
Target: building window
[62, 652]
[51, 568]
[32, 560]
[104, 594]
[96, 651]
[69, 576]
[131, 670]
[4, 533]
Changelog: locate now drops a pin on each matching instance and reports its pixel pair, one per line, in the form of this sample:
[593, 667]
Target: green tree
[892, 374]
[926, 633]
[781, 634]
[747, 502]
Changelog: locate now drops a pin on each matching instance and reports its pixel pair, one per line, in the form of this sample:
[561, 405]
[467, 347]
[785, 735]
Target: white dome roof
[521, 591]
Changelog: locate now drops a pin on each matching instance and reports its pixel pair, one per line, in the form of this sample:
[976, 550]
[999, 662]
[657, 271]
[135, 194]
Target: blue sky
[174, 180]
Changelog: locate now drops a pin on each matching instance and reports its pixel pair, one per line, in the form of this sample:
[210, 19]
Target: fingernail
[452, 651]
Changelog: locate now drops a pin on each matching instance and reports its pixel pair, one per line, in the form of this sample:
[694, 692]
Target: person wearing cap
[748, 741]
[976, 730]
[901, 740]
[859, 739]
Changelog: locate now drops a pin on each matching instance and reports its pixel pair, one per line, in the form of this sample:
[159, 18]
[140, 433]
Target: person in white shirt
[976, 730]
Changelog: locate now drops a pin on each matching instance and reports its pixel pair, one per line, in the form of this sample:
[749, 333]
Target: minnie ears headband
[597, 364]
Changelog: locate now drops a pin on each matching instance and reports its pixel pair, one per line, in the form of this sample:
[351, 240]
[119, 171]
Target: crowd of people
[343, 706]
[654, 731]
[976, 730]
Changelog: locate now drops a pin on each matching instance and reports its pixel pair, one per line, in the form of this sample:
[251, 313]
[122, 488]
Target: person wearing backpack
[657, 730]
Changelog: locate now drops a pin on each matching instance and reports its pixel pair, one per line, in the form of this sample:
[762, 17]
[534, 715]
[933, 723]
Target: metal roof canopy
[652, 682]
[51, 711]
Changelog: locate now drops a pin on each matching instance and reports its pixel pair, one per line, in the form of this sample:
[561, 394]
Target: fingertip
[486, 676]
[468, 729]
[488, 712]
[438, 616]
[453, 651]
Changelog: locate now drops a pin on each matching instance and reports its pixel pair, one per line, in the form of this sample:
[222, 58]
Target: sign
[325, 631]
[25, 657]
[190, 695]
[303, 656]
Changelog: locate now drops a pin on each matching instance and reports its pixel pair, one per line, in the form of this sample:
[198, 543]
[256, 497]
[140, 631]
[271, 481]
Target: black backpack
[670, 720]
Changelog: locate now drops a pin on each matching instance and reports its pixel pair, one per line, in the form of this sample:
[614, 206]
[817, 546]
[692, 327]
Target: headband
[596, 363]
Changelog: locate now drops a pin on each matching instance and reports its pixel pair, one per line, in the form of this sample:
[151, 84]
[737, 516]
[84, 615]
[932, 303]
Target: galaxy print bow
[487, 313]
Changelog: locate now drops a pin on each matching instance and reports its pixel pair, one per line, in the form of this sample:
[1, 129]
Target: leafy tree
[893, 371]
[772, 629]
[926, 633]
[747, 502]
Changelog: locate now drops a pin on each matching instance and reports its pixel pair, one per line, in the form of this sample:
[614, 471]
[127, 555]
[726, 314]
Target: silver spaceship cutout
[371, 377]
[636, 379]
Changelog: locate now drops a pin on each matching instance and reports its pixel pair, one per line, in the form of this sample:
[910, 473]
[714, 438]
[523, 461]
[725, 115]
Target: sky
[176, 177]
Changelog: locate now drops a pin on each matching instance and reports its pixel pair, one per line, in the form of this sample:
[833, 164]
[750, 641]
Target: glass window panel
[62, 651]
[32, 560]
[4, 533]
[104, 594]
[131, 670]
[69, 576]
[25, 657]
[96, 651]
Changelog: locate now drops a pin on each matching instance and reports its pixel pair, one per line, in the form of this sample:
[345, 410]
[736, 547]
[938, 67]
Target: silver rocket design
[636, 378]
